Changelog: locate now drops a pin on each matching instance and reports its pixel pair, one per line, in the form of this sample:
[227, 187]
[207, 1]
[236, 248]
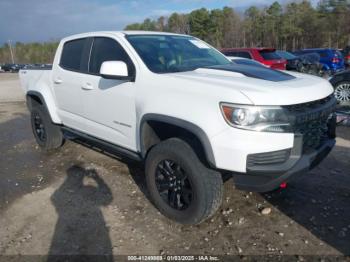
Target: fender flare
[190, 127]
[32, 93]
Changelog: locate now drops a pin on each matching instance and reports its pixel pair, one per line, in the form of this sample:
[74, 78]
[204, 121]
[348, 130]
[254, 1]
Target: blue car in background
[331, 58]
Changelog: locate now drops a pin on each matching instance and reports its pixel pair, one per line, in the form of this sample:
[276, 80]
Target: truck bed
[31, 77]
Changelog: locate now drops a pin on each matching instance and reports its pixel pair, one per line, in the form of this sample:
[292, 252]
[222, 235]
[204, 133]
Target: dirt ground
[79, 201]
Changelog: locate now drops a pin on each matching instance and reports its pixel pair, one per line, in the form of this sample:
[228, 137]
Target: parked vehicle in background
[341, 84]
[346, 54]
[307, 63]
[38, 66]
[245, 61]
[293, 62]
[266, 56]
[13, 68]
[181, 107]
[330, 57]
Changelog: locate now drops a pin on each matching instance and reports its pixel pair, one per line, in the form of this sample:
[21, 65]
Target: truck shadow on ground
[319, 203]
[81, 228]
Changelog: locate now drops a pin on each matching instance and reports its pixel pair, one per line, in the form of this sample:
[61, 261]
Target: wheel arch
[171, 127]
[338, 78]
[39, 98]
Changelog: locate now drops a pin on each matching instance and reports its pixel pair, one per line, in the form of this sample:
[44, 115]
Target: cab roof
[120, 33]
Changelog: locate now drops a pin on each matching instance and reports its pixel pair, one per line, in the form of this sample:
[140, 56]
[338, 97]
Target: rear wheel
[48, 135]
[180, 186]
[342, 92]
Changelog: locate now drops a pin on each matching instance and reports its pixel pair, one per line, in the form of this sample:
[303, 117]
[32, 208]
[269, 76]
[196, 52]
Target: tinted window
[230, 53]
[72, 55]
[107, 49]
[244, 54]
[285, 55]
[238, 54]
[269, 55]
[247, 62]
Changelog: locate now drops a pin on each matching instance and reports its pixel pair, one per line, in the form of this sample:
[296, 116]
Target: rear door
[67, 82]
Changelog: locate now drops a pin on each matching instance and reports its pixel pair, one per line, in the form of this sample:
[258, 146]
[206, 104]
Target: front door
[109, 105]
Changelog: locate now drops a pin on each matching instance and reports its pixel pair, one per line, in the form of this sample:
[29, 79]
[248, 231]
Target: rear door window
[269, 55]
[75, 55]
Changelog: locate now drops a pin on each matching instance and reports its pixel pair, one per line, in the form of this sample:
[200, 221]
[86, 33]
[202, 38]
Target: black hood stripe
[255, 72]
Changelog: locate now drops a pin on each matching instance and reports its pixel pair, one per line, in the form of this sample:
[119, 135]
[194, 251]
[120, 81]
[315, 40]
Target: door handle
[58, 81]
[87, 86]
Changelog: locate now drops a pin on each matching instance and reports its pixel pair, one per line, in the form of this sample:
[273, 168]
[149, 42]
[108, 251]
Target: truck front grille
[312, 121]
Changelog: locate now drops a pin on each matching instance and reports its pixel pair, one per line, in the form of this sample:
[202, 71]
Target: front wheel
[342, 92]
[180, 185]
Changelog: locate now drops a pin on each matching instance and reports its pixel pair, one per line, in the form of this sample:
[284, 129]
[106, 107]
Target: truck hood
[262, 86]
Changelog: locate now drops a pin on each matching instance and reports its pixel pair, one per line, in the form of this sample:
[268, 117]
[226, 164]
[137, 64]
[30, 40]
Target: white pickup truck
[189, 113]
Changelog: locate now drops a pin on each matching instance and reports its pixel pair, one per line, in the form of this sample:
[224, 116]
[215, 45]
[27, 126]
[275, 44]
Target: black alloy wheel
[173, 185]
[39, 127]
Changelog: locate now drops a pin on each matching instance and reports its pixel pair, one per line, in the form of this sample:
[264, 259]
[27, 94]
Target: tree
[178, 23]
[199, 21]
[232, 28]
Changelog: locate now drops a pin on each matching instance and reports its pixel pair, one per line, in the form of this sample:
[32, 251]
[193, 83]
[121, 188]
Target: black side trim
[105, 146]
[197, 131]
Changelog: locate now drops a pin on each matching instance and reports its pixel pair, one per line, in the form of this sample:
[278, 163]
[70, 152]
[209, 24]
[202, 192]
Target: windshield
[172, 53]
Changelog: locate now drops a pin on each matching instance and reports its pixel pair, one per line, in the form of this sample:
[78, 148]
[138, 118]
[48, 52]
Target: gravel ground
[79, 201]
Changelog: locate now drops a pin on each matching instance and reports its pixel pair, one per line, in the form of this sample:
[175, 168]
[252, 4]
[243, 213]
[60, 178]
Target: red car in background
[266, 56]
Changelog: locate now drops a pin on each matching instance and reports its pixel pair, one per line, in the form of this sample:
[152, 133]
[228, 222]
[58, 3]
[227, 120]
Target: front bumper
[267, 179]
[261, 161]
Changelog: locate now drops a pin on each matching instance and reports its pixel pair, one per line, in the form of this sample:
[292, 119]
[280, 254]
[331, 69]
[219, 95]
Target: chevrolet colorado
[184, 110]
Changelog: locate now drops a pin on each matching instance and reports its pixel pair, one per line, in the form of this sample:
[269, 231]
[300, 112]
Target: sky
[50, 20]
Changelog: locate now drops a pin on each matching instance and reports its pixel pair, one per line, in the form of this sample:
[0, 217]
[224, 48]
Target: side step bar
[102, 145]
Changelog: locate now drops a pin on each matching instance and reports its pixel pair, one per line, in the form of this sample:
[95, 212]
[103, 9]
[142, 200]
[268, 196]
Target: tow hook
[283, 185]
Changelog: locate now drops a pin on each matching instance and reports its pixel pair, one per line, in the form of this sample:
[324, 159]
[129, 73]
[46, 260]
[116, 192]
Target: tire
[47, 135]
[342, 92]
[206, 185]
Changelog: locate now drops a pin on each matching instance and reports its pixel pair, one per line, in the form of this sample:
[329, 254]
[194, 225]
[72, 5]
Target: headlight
[256, 118]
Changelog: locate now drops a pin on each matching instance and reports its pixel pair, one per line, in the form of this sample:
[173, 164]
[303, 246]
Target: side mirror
[115, 70]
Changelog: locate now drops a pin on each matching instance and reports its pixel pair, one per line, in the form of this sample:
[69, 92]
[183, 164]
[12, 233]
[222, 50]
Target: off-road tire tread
[212, 180]
[54, 133]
